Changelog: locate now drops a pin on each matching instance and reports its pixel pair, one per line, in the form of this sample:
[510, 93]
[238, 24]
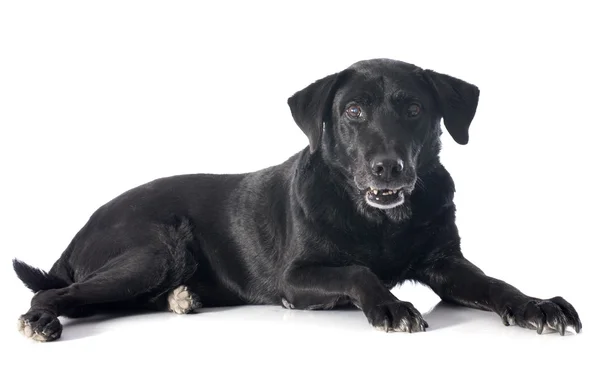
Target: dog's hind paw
[183, 301]
[40, 326]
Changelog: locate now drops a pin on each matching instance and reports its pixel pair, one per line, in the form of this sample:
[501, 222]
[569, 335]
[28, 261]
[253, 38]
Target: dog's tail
[36, 279]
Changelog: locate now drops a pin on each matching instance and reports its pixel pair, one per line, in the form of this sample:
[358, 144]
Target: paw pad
[182, 301]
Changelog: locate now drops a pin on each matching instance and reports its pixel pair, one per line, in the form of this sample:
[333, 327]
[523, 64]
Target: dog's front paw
[554, 314]
[395, 316]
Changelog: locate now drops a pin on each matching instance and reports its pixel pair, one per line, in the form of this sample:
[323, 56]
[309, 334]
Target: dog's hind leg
[136, 277]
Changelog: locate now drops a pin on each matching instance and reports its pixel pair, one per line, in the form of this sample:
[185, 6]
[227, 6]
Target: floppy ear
[457, 100]
[310, 107]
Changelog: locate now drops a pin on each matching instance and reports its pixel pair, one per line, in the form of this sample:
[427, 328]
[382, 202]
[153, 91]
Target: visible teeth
[384, 192]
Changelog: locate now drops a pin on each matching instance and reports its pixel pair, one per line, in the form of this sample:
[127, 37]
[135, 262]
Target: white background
[98, 97]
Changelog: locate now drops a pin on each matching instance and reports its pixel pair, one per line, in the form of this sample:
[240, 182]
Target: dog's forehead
[384, 66]
[386, 76]
[379, 81]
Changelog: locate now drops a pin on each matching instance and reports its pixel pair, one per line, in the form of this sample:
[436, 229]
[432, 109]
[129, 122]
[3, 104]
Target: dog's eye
[353, 111]
[413, 110]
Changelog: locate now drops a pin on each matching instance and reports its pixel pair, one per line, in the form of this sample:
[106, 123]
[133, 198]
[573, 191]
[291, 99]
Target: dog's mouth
[384, 198]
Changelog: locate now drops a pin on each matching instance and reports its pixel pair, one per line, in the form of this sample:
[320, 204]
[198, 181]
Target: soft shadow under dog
[83, 327]
[444, 315]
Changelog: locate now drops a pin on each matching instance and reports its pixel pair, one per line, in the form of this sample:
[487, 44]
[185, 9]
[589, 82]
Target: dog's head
[378, 122]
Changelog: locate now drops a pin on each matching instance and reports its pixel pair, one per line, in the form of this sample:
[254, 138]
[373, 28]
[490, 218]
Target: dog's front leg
[458, 281]
[307, 286]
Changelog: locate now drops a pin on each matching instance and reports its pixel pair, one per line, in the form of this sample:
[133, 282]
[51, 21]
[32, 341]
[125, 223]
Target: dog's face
[378, 122]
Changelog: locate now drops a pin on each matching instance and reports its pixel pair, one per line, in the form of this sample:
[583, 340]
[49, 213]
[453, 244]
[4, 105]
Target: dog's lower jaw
[397, 214]
[399, 201]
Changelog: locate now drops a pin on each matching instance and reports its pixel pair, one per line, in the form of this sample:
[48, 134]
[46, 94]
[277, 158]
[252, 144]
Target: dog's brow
[361, 97]
[403, 95]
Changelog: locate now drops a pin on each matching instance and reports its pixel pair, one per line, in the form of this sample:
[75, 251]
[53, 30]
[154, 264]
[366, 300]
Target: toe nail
[38, 337]
[28, 331]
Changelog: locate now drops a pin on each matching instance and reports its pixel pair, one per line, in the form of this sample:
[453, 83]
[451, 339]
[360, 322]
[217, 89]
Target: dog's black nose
[387, 168]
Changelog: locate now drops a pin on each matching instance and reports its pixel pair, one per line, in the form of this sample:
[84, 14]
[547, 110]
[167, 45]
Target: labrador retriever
[365, 206]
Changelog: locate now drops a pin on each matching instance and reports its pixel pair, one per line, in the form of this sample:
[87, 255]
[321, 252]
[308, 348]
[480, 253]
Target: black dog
[365, 207]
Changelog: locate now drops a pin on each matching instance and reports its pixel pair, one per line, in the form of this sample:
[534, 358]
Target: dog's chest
[389, 255]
